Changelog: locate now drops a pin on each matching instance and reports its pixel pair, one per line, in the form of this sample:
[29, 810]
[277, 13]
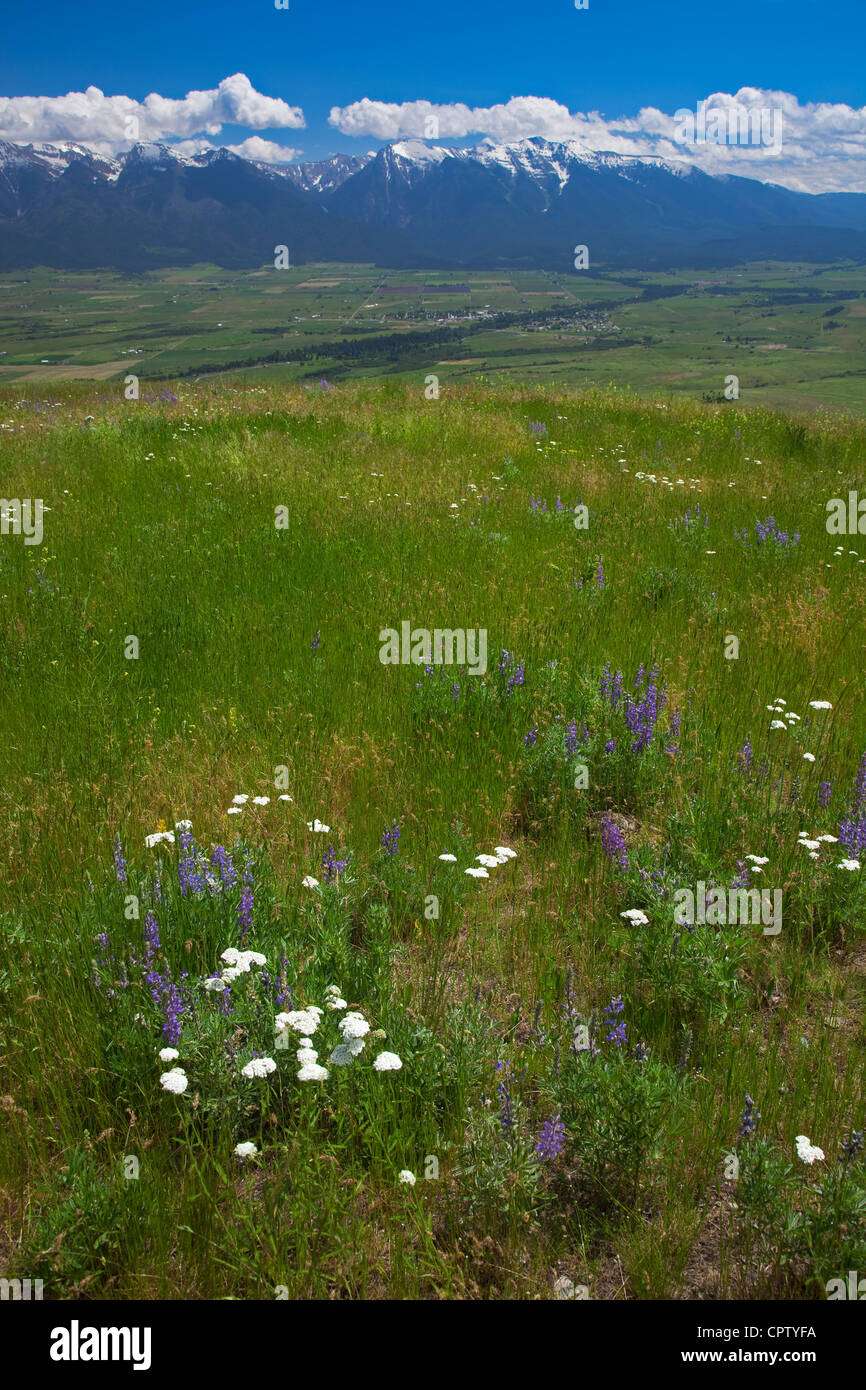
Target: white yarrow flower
[168, 1054]
[311, 1071]
[503, 849]
[850, 864]
[317, 827]
[407, 1176]
[258, 1067]
[387, 1061]
[477, 873]
[635, 916]
[820, 704]
[807, 1151]
[241, 799]
[247, 1150]
[353, 1025]
[488, 860]
[175, 1081]
[449, 858]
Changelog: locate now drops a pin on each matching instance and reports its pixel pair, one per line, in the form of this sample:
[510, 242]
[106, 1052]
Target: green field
[794, 335]
[571, 1094]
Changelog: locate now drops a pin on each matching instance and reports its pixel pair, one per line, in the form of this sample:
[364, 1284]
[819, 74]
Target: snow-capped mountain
[526, 203]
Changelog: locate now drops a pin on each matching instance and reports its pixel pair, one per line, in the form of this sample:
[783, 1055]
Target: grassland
[794, 335]
[257, 672]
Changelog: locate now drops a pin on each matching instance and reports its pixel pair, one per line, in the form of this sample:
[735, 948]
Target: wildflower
[261, 800]
[158, 837]
[749, 1118]
[259, 1067]
[334, 1002]
[778, 724]
[504, 850]
[820, 704]
[183, 825]
[311, 1071]
[809, 757]
[448, 858]
[332, 867]
[316, 642]
[551, 1140]
[531, 738]
[828, 839]
[851, 1147]
[307, 1054]
[299, 1020]
[284, 797]
[387, 1061]
[477, 873]
[405, 1175]
[613, 842]
[309, 882]
[810, 844]
[342, 1056]
[824, 793]
[235, 811]
[503, 1090]
[390, 838]
[849, 864]
[489, 861]
[119, 862]
[758, 859]
[175, 1081]
[353, 1025]
[247, 1150]
[635, 916]
[617, 1029]
[317, 827]
[168, 1054]
[241, 799]
[807, 1151]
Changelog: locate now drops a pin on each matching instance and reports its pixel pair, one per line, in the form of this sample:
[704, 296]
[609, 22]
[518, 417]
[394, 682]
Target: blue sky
[616, 57]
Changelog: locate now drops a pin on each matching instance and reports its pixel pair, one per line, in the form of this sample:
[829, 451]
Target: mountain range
[411, 204]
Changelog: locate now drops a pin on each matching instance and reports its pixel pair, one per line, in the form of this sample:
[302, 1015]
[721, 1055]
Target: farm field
[313, 1055]
[793, 335]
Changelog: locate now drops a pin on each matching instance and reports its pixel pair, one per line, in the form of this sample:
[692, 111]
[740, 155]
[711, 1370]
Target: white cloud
[263, 151]
[107, 124]
[815, 146]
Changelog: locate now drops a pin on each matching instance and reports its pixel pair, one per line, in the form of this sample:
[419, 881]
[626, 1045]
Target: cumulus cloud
[813, 147]
[255, 148]
[107, 124]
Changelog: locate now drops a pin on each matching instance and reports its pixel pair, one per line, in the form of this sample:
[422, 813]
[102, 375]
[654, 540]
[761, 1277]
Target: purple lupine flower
[616, 1024]
[749, 1118]
[223, 862]
[119, 862]
[743, 879]
[503, 1090]
[858, 799]
[572, 739]
[641, 716]
[825, 791]
[599, 575]
[744, 757]
[189, 869]
[316, 642]
[611, 686]
[537, 427]
[531, 738]
[674, 732]
[172, 1008]
[504, 662]
[151, 939]
[613, 842]
[455, 691]
[102, 944]
[516, 678]
[610, 746]
[537, 504]
[551, 1140]
[560, 505]
[285, 993]
[390, 839]
[332, 867]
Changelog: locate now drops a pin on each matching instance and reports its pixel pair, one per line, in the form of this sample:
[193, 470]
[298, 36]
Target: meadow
[264, 1033]
[793, 334]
